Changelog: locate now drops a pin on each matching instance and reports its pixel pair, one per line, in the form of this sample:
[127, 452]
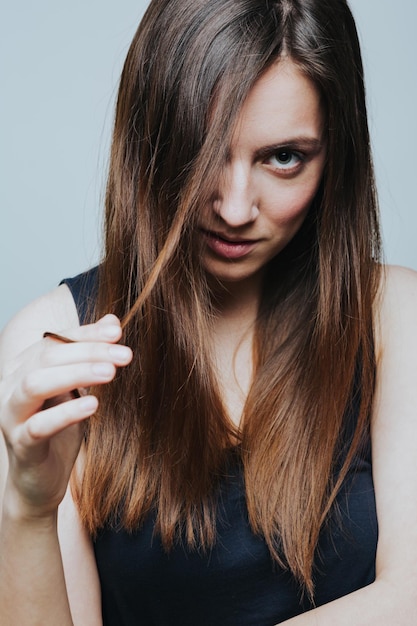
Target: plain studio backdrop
[61, 63]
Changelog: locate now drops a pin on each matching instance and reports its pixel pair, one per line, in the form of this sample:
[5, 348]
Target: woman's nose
[235, 201]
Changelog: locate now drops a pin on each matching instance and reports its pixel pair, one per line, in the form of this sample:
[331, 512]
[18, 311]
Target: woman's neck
[237, 302]
[236, 310]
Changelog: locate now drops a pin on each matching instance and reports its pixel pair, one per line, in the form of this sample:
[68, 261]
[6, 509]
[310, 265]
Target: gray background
[60, 67]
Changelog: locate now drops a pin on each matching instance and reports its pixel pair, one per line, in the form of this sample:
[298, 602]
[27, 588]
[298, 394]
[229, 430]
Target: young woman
[188, 427]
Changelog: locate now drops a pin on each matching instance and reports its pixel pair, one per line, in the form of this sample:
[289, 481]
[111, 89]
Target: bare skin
[41, 448]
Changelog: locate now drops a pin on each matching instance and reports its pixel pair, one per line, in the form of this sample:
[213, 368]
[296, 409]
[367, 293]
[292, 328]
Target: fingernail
[111, 332]
[119, 353]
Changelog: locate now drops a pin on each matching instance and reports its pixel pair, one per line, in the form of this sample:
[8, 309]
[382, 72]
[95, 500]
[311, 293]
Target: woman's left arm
[392, 598]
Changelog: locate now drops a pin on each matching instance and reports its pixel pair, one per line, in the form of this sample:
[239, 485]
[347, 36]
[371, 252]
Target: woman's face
[274, 168]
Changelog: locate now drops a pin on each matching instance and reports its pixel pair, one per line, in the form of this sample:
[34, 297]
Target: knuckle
[34, 427]
[99, 352]
[30, 385]
[47, 357]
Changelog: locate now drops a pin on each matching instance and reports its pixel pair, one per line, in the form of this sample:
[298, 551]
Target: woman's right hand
[40, 419]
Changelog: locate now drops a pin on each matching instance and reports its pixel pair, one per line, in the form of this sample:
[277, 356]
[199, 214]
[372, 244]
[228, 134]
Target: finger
[41, 384]
[81, 352]
[50, 422]
[105, 329]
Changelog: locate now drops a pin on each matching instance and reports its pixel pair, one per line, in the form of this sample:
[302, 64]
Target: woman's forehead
[283, 104]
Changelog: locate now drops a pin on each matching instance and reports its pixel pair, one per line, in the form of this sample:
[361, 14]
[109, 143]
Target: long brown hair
[162, 439]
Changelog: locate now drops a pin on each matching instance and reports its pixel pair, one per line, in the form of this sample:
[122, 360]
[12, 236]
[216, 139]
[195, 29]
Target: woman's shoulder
[396, 325]
[60, 309]
[397, 303]
[399, 280]
[54, 311]
[394, 427]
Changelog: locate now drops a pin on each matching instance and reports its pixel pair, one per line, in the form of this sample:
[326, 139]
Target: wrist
[15, 510]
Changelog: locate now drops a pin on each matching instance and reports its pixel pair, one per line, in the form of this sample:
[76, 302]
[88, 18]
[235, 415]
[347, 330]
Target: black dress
[236, 583]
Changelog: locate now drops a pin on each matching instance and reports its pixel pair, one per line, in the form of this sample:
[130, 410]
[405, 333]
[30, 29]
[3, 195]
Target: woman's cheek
[293, 205]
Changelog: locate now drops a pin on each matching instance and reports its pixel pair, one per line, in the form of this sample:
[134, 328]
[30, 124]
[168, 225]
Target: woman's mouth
[226, 247]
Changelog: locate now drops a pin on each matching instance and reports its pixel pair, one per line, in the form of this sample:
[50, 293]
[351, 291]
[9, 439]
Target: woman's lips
[227, 248]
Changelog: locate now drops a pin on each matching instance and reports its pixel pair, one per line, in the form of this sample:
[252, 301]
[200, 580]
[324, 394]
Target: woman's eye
[284, 159]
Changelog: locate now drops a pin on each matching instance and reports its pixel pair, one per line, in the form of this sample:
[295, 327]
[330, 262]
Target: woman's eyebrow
[295, 143]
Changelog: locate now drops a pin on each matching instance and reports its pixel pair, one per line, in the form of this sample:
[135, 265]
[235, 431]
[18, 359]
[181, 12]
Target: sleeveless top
[236, 583]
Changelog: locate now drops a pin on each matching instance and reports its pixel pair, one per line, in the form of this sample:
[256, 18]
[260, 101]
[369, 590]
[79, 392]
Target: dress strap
[84, 291]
